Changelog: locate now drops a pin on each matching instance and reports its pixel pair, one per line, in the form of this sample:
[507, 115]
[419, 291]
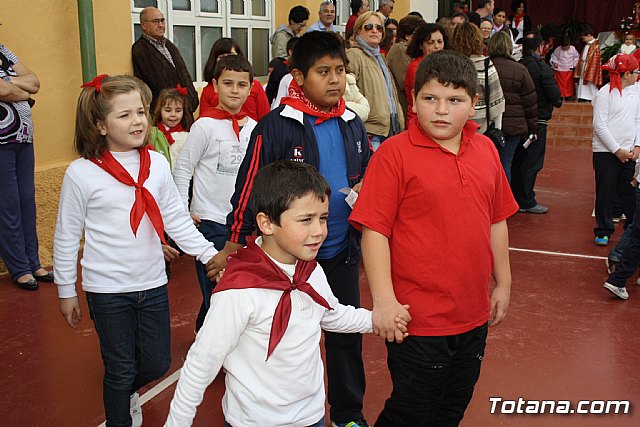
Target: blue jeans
[507, 152]
[134, 331]
[217, 234]
[320, 423]
[18, 237]
[376, 141]
[623, 243]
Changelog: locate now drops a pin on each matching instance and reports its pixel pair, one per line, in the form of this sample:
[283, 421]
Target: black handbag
[493, 133]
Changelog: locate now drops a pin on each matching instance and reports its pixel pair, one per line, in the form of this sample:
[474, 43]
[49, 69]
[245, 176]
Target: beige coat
[370, 80]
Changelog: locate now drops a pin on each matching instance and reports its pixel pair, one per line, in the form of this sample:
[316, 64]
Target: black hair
[516, 4]
[448, 68]
[391, 21]
[313, 46]
[355, 6]
[416, 13]
[222, 46]
[278, 184]
[586, 30]
[233, 63]
[423, 33]
[461, 15]
[293, 41]
[408, 25]
[483, 3]
[298, 14]
[474, 18]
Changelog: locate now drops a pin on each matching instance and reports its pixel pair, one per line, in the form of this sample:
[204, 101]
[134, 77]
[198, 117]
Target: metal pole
[87, 39]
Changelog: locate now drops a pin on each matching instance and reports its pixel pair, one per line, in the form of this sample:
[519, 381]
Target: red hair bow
[97, 80]
[181, 90]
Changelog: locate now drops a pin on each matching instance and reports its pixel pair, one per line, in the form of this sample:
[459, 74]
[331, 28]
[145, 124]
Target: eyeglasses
[369, 27]
[301, 25]
[636, 72]
[155, 21]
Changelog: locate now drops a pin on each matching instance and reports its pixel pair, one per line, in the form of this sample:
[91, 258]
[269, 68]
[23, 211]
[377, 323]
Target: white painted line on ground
[156, 390]
[557, 253]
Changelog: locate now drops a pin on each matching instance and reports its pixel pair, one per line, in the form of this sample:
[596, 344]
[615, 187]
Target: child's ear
[474, 100]
[413, 96]
[264, 224]
[214, 82]
[298, 76]
[101, 128]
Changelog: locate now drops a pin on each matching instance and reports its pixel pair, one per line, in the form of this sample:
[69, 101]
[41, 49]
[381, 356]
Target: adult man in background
[485, 9]
[386, 7]
[528, 162]
[358, 7]
[326, 15]
[157, 61]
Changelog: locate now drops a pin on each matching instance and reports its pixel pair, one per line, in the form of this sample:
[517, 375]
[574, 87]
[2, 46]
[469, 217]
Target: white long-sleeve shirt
[616, 119]
[114, 259]
[285, 390]
[212, 156]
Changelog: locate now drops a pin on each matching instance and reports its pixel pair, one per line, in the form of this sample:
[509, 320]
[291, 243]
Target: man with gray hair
[386, 7]
[327, 14]
[157, 61]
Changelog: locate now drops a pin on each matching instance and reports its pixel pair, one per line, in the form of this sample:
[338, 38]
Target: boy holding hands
[271, 303]
[433, 216]
[313, 126]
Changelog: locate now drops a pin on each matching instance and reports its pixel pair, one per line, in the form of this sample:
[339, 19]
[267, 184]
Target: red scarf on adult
[219, 113]
[251, 267]
[617, 65]
[298, 100]
[144, 201]
[168, 131]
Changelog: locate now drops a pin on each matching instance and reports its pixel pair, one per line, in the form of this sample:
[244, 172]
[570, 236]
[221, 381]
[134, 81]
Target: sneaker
[135, 410]
[357, 423]
[601, 241]
[617, 219]
[611, 265]
[537, 209]
[619, 292]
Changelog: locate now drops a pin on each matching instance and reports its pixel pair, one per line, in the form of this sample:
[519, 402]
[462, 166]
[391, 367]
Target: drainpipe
[87, 39]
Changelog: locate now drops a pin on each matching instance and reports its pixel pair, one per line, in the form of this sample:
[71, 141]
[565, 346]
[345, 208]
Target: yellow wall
[46, 40]
[282, 7]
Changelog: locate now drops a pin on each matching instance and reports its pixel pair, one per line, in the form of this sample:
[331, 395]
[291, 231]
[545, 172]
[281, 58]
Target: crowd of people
[275, 160]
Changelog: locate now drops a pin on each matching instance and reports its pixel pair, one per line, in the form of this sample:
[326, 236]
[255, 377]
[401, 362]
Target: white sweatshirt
[285, 390]
[212, 156]
[114, 259]
[616, 120]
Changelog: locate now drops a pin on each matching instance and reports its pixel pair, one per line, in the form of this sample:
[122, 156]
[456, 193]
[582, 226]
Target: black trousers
[433, 379]
[612, 176]
[527, 162]
[345, 368]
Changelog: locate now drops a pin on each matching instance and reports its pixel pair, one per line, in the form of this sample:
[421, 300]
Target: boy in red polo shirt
[433, 212]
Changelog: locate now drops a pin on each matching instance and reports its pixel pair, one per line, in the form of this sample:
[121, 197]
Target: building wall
[46, 40]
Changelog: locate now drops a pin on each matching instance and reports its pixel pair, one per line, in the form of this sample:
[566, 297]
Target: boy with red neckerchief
[268, 310]
[215, 147]
[313, 126]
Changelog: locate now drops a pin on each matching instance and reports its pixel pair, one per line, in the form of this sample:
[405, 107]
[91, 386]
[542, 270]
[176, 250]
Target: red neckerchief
[219, 113]
[299, 101]
[251, 267]
[168, 131]
[517, 19]
[617, 65]
[144, 201]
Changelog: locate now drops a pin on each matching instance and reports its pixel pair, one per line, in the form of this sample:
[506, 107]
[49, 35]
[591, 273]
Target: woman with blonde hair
[374, 78]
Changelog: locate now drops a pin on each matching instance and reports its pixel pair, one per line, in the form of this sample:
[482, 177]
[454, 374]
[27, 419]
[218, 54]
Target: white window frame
[226, 21]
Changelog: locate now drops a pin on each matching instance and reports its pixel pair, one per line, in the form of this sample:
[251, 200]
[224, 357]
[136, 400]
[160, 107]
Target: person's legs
[12, 239]
[217, 234]
[153, 336]
[345, 368]
[530, 165]
[376, 141]
[25, 164]
[507, 152]
[606, 167]
[623, 243]
[625, 191]
[114, 317]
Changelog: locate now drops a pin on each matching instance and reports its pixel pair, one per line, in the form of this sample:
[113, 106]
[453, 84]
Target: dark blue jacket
[285, 134]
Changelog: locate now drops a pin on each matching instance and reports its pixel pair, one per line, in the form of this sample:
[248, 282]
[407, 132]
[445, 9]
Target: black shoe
[48, 278]
[29, 285]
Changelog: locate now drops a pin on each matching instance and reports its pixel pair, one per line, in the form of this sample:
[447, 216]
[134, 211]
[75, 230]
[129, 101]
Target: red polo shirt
[437, 209]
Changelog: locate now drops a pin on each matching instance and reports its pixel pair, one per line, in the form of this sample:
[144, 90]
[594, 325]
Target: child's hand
[386, 323]
[196, 219]
[169, 253]
[70, 310]
[402, 320]
[219, 275]
[623, 155]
